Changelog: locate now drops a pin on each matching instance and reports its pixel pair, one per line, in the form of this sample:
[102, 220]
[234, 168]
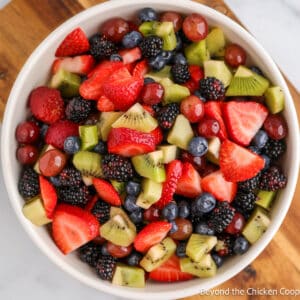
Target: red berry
[115, 29]
[193, 108]
[27, 154]
[173, 17]
[152, 93]
[52, 162]
[151, 214]
[276, 127]
[118, 251]
[195, 27]
[235, 55]
[27, 132]
[236, 225]
[199, 162]
[209, 128]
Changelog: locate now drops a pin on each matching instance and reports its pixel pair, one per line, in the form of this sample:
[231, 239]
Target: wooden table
[25, 23]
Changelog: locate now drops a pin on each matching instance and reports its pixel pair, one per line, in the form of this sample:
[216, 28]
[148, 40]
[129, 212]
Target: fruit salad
[153, 151]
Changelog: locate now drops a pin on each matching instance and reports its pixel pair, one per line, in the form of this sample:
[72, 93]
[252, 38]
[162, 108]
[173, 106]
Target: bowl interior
[36, 72]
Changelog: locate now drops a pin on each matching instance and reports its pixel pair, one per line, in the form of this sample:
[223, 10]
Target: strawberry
[170, 271]
[196, 75]
[49, 196]
[59, 131]
[73, 227]
[243, 120]
[216, 184]
[128, 142]
[174, 172]
[131, 55]
[82, 64]
[46, 104]
[107, 192]
[130, 67]
[104, 104]
[192, 85]
[150, 235]
[157, 134]
[238, 163]
[189, 184]
[140, 69]
[90, 205]
[149, 109]
[74, 43]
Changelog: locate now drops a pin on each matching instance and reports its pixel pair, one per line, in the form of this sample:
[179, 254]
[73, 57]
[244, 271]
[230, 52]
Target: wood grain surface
[24, 24]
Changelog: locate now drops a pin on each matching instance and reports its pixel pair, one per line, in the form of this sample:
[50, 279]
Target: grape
[173, 17]
[115, 29]
[195, 27]
[235, 55]
[52, 162]
[27, 154]
[27, 132]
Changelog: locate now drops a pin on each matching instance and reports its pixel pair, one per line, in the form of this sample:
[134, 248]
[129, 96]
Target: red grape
[118, 251]
[115, 29]
[152, 93]
[209, 168]
[208, 128]
[192, 108]
[195, 27]
[27, 154]
[235, 55]
[236, 225]
[151, 214]
[199, 162]
[173, 17]
[185, 229]
[276, 127]
[27, 132]
[52, 162]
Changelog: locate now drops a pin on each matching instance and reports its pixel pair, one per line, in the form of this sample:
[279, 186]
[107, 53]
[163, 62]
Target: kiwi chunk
[215, 42]
[114, 211]
[36, 166]
[170, 152]
[198, 245]
[151, 193]
[129, 276]
[35, 212]
[256, 225]
[265, 198]
[119, 186]
[181, 133]
[219, 70]
[88, 163]
[247, 83]
[213, 153]
[150, 165]
[136, 118]
[158, 254]
[105, 122]
[159, 75]
[206, 267]
[165, 30]
[68, 83]
[148, 28]
[197, 53]
[89, 136]
[275, 99]
[173, 92]
[87, 180]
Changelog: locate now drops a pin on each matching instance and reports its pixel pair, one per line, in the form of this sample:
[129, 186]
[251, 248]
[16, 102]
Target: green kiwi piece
[205, 268]
[170, 152]
[89, 136]
[159, 75]
[114, 211]
[215, 42]
[119, 186]
[213, 153]
[275, 99]
[165, 30]
[198, 245]
[36, 166]
[88, 163]
[256, 225]
[197, 53]
[68, 83]
[148, 28]
[173, 92]
[105, 122]
[87, 180]
[247, 83]
[219, 70]
[150, 166]
[129, 276]
[151, 193]
[158, 254]
[136, 118]
[265, 198]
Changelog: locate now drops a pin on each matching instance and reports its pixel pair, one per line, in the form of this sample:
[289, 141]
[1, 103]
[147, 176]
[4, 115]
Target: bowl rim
[13, 194]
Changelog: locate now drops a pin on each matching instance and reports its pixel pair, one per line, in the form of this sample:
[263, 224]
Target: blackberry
[167, 115]
[75, 195]
[29, 183]
[151, 46]
[221, 216]
[275, 148]
[244, 202]
[116, 167]
[225, 245]
[90, 253]
[196, 218]
[101, 47]
[105, 267]
[78, 109]
[69, 176]
[212, 88]
[181, 73]
[273, 179]
[251, 184]
[101, 211]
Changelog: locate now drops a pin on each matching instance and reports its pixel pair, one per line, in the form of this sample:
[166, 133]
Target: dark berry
[200, 96]
[260, 139]
[134, 258]
[55, 181]
[174, 227]
[130, 203]
[75, 195]
[147, 14]
[224, 245]
[205, 203]
[212, 88]
[180, 250]
[170, 211]
[69, 176]
[167, 115]
[180, 73]
[90, 254]
[179, 59]
[115, 57]
[183, 209]
[148, 80]
[240, 246]
[272, 179]
[267, 161]
[133, 188]
[43, 130]
[136, 216]
[244, 202]
[217, 259]
[101, 47]
[28, 185]
[157, 63]
[251, 184]
[72, 144]
[275, 149]
[132, 39]
[78, 109]
[151, 46]
[254, 149]
[257, 70]
[104, 250]
[105, 267]
[203, 228]
[101, 211]
[198, 146]
[179, 42]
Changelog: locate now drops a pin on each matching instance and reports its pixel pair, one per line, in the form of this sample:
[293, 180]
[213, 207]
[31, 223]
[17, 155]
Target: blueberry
[130, 203]
[254, 149]
[148, 80]
[241, 245]
[257, 70]
[147, 14]
[174, 227]
[199, 95]
[217, 259]
[167, 56]
[133, 188]
[132, 39]
[183, 209]
[134, 258]
[72, 144]
[180, 250]
[179, 42]
[205, 203]
[260, 139]
[136, 216]
[198, 146]
[116, 57]
[267, 161]
[43, 130]
[157, 63]
[55, 181]
[100, 148]
[104, 250]
[170, 211]
[203, 228]
[179, 58]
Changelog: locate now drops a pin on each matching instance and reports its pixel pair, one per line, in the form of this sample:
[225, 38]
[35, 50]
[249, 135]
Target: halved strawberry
[74, 43]
[150, 235]
[192, 85]
[131, 55]
[157, 134]
[170, 271]
[104, 104]
[140, 69]
[49, 196]
[107, 192]
[196, 73]
[90, 205]
[73, 227]
[174, 172]
[243, 120]
[189, 184]
[216, 184]
[238, 163]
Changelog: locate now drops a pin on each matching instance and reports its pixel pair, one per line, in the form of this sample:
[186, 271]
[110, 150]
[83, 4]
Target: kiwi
[68, 83]
[151, 193]
[88, 163]
[215, 42]
[206, 267]
[173, 92]
[87, 180]
[170, 152]
[197, 53]
[213, 153]
[105, 122]
[158, 254]
[247, 83]
[150, 165]
[129, 276]
[119, 186]
[275, 99]
[256, 225]
[136, 118]
[198, 245]
[35, 212]
[219, 70]
[148, 28]
[36, 166]
[165, 30]
[89, 136]
[114, 211]
[181, 133]
[265, 198]
[159, 75]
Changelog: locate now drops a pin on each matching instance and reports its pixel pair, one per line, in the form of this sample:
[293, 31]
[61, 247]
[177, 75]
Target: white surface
[25, 273]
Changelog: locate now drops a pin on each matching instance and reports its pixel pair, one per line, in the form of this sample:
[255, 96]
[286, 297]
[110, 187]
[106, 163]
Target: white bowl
[36, 71]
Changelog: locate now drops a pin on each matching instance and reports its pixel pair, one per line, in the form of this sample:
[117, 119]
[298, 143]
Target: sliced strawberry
[107, 192]
[129, 142]
[170, 272]
[49, 196]
[150, 235]
[104, 104]
[149, 109]
[192, 85]
[130, 67]
[174, 172]
[90, 205]
[74, 43]
[216, 184]
[189, 184]
[243, 120]
[131, 55]
[238, 163]
[158, 135]
[73, 227]
[140, 69]
[196, 73]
